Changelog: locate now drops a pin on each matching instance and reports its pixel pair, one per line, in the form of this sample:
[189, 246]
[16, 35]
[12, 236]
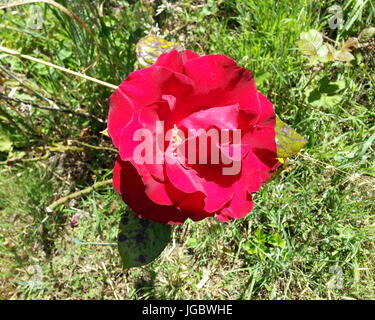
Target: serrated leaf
[366, 34]
[310, 42]
[314, 36]
[307, 48]
[323, 53]
[344, 56]
[140, 241]
[327, 101]
[150, 47]
[288, 141]
[331, 52]
[327, 52]
[326, 94]
[350, 44]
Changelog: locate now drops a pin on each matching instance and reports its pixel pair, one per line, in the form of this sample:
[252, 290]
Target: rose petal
[143, 88]
[225, 117]
[220, 81]
[217, 188]
[241, 203]
[133, 194]
[175, 60]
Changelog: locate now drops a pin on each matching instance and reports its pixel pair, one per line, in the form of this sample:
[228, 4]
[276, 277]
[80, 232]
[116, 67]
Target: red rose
[191, 96]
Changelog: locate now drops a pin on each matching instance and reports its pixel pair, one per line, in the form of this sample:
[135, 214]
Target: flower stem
[77, 194]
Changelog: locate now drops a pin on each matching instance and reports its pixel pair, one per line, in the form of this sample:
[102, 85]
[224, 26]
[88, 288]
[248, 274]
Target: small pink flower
[74, 221]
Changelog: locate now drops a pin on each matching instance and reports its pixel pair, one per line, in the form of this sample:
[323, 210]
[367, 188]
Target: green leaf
[288, 141]
[331, 52]
[140, 241]
[344, 56]
[323, 53]
[310, 42]
[5, 143]
[262, 78]
[249, 248]
[276, 240]
[326, 94]
[314, 36]
[366, 34]
[326, 101]
[307, 48]
[63, 54]
[326, 53]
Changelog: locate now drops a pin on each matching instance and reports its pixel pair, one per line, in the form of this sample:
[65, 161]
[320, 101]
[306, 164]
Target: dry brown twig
[77, 194]
[57, 109]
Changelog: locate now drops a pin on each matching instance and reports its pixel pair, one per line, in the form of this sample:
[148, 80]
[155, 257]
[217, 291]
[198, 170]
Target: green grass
[311, 224]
